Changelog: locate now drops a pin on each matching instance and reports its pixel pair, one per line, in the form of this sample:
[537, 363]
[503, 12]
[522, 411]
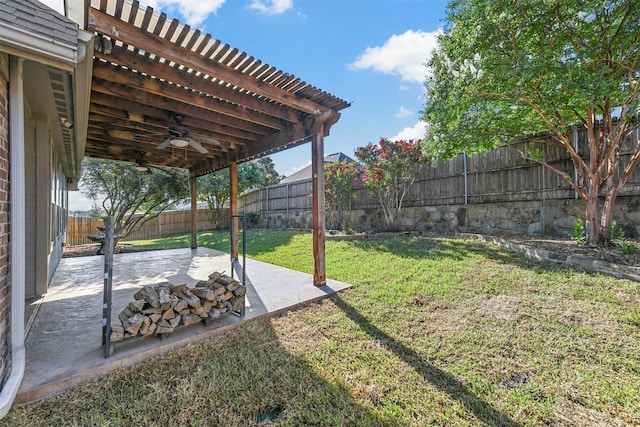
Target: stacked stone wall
[556, 217]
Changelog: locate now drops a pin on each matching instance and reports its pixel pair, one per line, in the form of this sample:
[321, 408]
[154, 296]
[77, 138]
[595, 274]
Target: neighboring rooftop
[34, 17]
[305, 173]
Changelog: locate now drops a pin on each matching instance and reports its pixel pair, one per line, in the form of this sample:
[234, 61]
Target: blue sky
[368, 52]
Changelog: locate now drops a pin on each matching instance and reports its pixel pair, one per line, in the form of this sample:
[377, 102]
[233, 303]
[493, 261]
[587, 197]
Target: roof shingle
[36, 18]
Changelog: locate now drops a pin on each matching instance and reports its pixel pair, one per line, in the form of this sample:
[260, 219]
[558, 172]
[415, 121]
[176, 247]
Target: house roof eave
[19, 42]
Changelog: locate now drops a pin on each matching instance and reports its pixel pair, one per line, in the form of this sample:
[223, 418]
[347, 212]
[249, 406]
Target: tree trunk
[591, 219]
[607, 216]
[388, 214]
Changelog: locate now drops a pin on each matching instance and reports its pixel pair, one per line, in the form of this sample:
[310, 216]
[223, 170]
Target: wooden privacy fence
[501, 175]
[497, 176]
[78, 228]
[288, 198]
[168, 223]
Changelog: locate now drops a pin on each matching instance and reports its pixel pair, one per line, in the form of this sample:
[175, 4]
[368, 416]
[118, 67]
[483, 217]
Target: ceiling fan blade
[164, 144]
[197, 146]
[209, 140]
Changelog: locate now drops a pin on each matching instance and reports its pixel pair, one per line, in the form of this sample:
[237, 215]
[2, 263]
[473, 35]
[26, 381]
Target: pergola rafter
[147, 69]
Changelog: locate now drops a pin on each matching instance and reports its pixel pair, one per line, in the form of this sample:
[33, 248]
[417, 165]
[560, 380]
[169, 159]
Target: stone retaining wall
[556, 216]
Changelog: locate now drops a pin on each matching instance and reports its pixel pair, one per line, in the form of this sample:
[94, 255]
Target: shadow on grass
[443, 381]
[258, 241]
[241, 377]
[421, 248]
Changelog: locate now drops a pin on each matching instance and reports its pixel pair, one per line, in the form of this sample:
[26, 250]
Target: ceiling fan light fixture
[140, 166]
[179, 142]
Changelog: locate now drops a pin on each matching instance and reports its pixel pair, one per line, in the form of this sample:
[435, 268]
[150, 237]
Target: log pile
[161, 308]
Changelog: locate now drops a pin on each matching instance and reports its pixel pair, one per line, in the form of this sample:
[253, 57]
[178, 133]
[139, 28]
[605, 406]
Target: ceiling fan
[141, 164]
[180, 137]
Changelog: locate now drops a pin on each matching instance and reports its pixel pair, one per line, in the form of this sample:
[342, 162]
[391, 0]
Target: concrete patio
[63, 345]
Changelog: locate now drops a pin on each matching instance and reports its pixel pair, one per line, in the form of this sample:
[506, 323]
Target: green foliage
[627, 247]
[424, 338]
[579, 234]
[506, 71]
[95, 212]
[214, 187]
[633, 318]
[617, 235]
[269, 174]
[615, 231]
[390, 169]
[339, 179]
[130, 196]
[253, 219]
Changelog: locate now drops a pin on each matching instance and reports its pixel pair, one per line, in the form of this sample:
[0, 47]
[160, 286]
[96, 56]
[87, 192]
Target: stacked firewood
[160, 308]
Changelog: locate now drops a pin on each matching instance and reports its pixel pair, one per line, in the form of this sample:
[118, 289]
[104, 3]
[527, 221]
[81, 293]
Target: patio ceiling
[148, 70]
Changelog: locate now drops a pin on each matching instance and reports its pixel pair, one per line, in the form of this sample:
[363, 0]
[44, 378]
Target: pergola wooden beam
[110, 26]
[318, 209]
[152, 91]
[149, 69]
[145, 111]
[195, 82]
[286, 138]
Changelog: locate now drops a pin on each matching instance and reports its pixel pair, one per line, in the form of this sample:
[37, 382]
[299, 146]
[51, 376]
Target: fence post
[268, 217]
[464, 168]
[108, 285]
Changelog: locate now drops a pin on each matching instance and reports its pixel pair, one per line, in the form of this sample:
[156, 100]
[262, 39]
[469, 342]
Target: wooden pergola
[155, 80]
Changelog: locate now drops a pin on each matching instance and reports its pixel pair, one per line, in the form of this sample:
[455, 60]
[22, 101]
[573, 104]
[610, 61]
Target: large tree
[130, 196]
[214, 188]
[269, 174]
[389, 170]
[339, 180]
[507, 70]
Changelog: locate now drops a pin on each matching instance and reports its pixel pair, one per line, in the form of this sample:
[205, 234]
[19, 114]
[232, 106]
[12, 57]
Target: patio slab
[64, 347]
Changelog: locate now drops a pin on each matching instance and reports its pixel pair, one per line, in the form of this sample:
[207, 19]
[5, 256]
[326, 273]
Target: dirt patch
[501, 307]
[569, 413]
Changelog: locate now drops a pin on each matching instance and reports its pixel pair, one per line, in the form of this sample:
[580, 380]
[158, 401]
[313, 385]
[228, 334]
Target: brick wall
[5, 280]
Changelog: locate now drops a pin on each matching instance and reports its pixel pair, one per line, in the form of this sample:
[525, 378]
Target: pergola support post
[193, 181]
[318, 208]
[233, 209]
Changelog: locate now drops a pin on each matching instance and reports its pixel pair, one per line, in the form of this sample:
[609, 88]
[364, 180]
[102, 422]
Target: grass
[434, 332]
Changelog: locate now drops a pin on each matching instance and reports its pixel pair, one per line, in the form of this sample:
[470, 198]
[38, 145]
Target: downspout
[17, 254]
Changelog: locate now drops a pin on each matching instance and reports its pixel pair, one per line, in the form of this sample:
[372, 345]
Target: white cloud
[57, 5]
[403, 55]
[79, 202]
[271, 7]
[418, 131]
[195, 12]
[403, 112]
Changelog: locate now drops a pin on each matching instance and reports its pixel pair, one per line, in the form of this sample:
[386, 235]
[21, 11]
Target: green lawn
[434, 332]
